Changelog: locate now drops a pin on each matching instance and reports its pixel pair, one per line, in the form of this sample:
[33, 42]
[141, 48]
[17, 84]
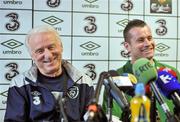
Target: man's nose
[47, 53]
[147, 42]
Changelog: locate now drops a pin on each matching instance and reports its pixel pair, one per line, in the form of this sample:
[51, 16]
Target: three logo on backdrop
[127, 5]
[53, 3]
[91, 71]
[14, 23]
[13, 70]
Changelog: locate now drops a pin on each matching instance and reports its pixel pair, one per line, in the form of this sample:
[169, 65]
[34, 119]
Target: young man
[52, 88]
[139, 43]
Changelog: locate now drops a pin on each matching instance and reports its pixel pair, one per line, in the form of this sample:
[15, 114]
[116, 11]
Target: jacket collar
[74, 74]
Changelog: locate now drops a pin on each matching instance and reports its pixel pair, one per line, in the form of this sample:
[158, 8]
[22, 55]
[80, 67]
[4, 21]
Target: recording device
[145, 72]
[125, 82]
[117, 94]
[131, 77]
[169, 86]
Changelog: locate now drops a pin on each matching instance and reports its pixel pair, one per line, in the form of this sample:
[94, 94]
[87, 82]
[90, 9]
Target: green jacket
[127, 68]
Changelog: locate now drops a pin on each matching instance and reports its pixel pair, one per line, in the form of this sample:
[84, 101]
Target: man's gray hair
[40, 29]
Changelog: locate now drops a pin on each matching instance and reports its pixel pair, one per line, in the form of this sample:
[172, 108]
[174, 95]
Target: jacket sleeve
[16, 109]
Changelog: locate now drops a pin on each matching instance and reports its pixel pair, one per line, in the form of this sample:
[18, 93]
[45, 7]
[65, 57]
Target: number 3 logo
[36, 100]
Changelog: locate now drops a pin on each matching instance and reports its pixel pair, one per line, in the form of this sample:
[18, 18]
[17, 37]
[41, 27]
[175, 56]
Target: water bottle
[140, 105]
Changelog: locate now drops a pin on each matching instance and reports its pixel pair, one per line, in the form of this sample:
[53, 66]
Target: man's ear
[61, 44]
[127, 46]
[62, 48]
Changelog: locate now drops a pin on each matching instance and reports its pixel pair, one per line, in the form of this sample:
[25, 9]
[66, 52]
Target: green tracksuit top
[127, 68]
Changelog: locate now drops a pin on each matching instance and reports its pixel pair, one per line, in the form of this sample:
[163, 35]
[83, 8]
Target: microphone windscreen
[172, 72]
[131, 77]
[144, 71]
[167, 83]
[148, 89]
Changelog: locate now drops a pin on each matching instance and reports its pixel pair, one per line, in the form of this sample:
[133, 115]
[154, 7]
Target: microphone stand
[153, 113]
[62, 111]
[126, 111]
[176, 101]
[170, 117]
[95, 112]
[126, 115]
[109, 105]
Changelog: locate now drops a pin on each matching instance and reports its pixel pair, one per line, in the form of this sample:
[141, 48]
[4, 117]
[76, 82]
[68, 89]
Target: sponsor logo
[90, 4]
[73, 92]
[90, 46]
[13, 71]
[90, 1]
[53, 3]
[160, 47]
[15, 2]
[4, 94]
[124, 52]
[91, 27]
[123, 24]
[162, 29]
[91, 71]
[52, 20]
[14, 24]
[11, 44]
[36, 97]
[127, 5]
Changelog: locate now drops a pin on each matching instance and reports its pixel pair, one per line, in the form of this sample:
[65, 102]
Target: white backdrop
[91, 31]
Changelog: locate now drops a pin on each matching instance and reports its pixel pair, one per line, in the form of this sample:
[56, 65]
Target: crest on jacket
[73, 92]
[36, 97]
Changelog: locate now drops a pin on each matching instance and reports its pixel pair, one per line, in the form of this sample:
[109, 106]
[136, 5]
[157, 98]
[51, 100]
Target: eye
[150, 38]
[52, 47]
[140, 40]
[39, 51]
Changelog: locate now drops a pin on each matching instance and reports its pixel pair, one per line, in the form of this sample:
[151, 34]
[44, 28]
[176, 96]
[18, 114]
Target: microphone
[58, 96]
[146, 73]
[172, 72]
[125, 82]
[131, 77]
[169, 86]
[116, 93]
[122, 81]
[102, 76]
[95, 112]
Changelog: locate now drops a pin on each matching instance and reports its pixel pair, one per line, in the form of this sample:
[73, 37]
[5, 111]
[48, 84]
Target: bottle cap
[139, 90]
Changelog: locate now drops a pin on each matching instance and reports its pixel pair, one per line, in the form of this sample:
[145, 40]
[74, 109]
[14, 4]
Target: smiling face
[46, 51]
[140, 43]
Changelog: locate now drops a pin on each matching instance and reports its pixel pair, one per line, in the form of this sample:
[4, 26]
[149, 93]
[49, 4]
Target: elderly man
[52, 89]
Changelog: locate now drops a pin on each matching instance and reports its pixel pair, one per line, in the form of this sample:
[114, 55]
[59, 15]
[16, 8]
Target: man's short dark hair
[131, 24]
